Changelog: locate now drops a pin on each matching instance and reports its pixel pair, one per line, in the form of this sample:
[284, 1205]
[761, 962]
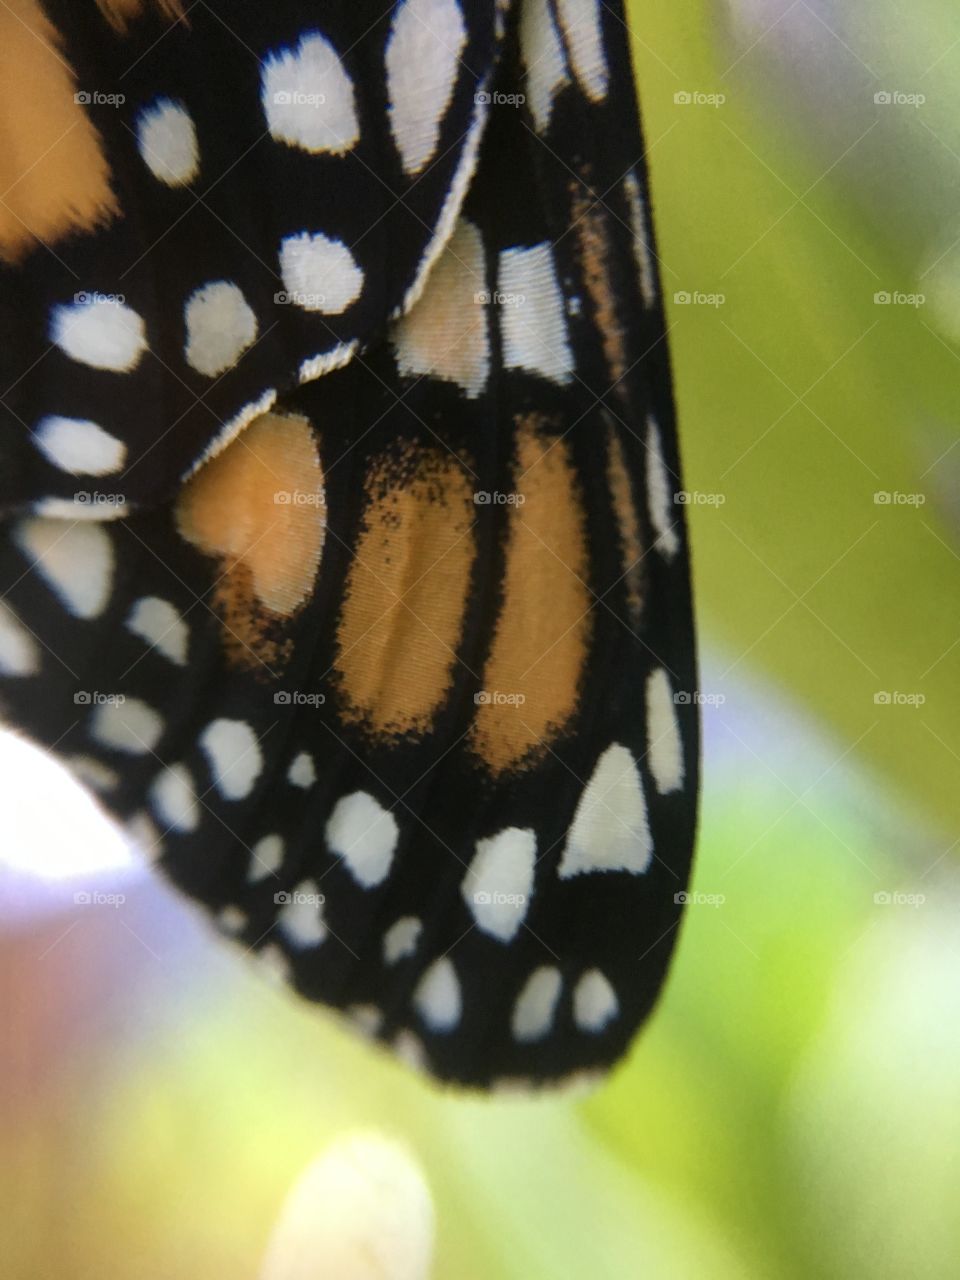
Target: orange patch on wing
[628, 523]
[593, 241]
[542, 635]
[259, 509]
[54, 176]
[406, 592]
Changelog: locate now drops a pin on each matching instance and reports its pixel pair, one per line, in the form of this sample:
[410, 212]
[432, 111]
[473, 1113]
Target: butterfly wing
[398, 684]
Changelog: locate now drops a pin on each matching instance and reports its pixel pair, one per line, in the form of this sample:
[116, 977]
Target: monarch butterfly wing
[394, 685]
[205, 212]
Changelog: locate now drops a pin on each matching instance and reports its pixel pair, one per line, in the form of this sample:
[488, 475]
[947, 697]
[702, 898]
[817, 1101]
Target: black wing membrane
[399, 683]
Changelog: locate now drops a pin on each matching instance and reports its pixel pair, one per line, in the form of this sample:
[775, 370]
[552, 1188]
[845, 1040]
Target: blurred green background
[793, 1109]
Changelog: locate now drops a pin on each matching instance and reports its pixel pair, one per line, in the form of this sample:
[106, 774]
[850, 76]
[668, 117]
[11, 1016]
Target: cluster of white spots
[92, 772]
[580, 20]
[302, 771]
[610, 831]
[78, 446]
[422, 58]
[437, 996]
[361, 1211]
[308, 97]
[19, 653]
[174, 800]
[130, 726]
[364, 835]
[659, 494]
[445, 334]
[159, 623]
[301, 916]
[220, 326]
[499, 882]
[543, 59]
[664, 749]
[536, 1005]
[595, 1003]
[319, 273]
[167, 140]
[641, 239]
[401, 939]
[76, 561]
[450, 210]
[320, 365]
[100, 332]
[534, 323]
[234, 755]
[266, 857]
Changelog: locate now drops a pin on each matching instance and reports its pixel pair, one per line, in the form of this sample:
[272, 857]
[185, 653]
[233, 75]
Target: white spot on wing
[543, 59]
[234, 755]
[220, 326]
[129, 726]
[499, 882]
[595, 1002]
[167, 140]
[19, 653]
[99, 332]
[664, 748]
[536, 1005]
[319, 273]
[158, 622]
[659, 491]
[422, 58]
[336, 358]
[580, 20]
[174, 800]
[301, 917]
[308, 97]
[534, 326]
[400, 940]
[364, 835]
[445, 334]
[79, 447]
[76, 561]
[302, 771]
[609, 831]
[641, 239]
[266, 857]
[437, 997]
